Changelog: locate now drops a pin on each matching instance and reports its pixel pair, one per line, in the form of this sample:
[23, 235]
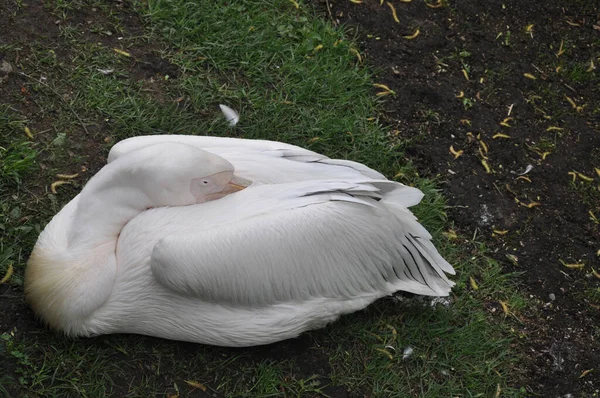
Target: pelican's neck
[73, 267]
[107, 203]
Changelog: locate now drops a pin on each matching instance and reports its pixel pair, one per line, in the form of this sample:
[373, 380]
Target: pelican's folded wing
[334, 241]
[219, 144]
[259, 160]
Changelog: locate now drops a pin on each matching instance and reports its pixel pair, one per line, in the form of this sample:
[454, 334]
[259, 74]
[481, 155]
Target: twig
[59, 96]
[329, 11]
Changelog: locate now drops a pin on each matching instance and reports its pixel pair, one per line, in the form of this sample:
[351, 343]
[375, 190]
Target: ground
[511, 84]
[473, 93]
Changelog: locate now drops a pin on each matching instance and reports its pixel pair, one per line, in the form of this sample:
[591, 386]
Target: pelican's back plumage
[310, 239]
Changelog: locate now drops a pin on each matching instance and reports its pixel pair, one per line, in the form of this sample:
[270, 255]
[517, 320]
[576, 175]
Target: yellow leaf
[9, 272]
[355, 52]
[561, 51]
[505, 122]
[593, 217]
[436, 5]
[554, 128]
[572, 265]
[385, 352]
[197, 385]
[465, 74]
[597, 171]
[573, 174]
[67, 176]
[455, 152]
[383, 86]
[451, 234]
[529, 76]
[121, 52]
[356, 1]
[484, 146]
[465, 122]
[545, 154]
[570, 100]
[595, 273]
[500, 231]
[524, 178]
[57, 184]
[393, 11]
[585, 372]
[317, 48]
[295, 3]
[530, 205]
[473, 283]
[500, 135]
[461, 95]
[584, 177]
[414, 35]
[504, 307]
[28, 133]
[486, 166]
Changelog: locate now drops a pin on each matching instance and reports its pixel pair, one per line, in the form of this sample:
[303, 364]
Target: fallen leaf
[67, 176]
[355, 52]
[197, 385]
[7, 276]
[414, 35]
[28, 133]
[473, 283]
[390, 356]
[435, 5]
[57, 184]
[504, 307]
[486, 166]
[572, 265]
[121, 52]
[456, 153]
[393, 11]
[585, 372]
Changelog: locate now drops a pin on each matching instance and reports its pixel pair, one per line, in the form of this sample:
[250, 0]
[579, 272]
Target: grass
[293, 78]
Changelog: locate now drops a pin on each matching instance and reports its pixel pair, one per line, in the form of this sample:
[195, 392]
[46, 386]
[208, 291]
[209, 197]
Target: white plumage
[157, 244]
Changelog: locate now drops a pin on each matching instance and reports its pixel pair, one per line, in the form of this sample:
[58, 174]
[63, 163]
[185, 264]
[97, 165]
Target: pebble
[6, 67]
[552, 296]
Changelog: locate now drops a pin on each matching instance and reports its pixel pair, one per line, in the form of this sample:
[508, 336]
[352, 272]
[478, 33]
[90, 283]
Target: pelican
[228, 242]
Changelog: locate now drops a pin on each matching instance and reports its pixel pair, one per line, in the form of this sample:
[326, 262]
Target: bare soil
[460, 82]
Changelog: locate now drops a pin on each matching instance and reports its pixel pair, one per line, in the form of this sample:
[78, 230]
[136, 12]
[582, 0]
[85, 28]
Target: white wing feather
[259, 160]
[359, 246]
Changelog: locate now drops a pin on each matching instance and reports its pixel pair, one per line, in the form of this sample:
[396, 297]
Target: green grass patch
[293, 78]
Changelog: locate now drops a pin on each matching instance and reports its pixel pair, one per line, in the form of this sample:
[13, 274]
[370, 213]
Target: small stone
[552, 296]
[6, 67]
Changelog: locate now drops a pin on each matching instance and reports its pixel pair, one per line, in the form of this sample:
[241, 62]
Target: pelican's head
[175, 174]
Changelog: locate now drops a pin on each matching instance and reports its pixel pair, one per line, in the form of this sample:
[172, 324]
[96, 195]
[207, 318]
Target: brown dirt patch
[484, 49]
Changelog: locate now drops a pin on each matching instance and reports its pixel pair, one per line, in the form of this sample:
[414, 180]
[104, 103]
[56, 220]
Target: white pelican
[158, 243]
